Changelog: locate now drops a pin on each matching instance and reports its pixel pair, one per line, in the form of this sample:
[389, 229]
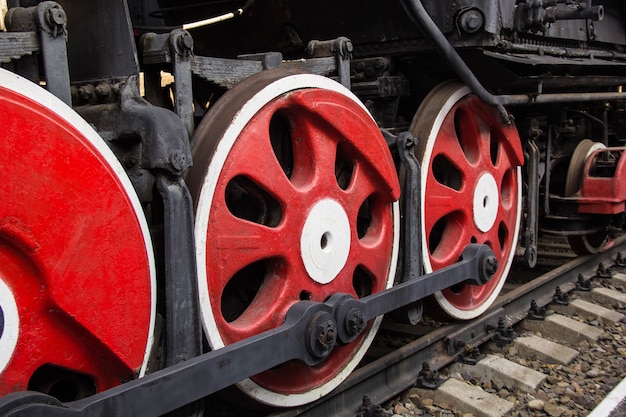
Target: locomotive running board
[309, 334]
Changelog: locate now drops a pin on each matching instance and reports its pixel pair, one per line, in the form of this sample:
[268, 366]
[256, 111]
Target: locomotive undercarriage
[255, 191]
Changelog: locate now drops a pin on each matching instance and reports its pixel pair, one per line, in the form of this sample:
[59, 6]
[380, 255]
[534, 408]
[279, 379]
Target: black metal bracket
[341, 48]
[166, 142]
[309, 334]
[404, 145]
[49, 20]
[531, 232]
[471, 355]
[560, 298]
[184, 334]
[176, 49]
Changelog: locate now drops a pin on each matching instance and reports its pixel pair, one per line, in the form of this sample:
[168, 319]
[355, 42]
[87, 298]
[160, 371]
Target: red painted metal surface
[72, 256]
[602, 193]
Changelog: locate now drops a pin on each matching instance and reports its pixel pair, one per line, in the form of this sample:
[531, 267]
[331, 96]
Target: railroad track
[426, 351]
[391, 372]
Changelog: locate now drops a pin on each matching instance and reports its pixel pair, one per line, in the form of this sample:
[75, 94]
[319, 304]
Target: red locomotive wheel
[76, 263]
[296, 196]
[594, 242]
[471, 190]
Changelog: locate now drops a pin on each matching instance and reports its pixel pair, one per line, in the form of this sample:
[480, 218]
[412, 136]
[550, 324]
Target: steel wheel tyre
[471, 190]
[296, 200]
[589, 244]
[76, 263]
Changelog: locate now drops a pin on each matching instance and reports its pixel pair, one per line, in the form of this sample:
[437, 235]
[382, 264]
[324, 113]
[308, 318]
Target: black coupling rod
[309, 334]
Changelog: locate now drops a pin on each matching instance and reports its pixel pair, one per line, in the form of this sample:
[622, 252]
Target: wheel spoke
[361, 187]
[265, 308]
[258, 163]
[473, 134]
[448, 238]
[367, 255]
[241, 243]
[443, 201]
[451, 142]
[315, 150]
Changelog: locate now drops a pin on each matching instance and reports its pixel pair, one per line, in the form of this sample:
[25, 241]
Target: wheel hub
[325, 241]
[486, 202]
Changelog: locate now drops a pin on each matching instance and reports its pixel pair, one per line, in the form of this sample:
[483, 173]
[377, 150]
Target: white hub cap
[10, 325]
[486, 202]
[325, 241]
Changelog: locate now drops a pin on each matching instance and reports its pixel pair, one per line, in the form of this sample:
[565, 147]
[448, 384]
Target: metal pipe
[595, 13]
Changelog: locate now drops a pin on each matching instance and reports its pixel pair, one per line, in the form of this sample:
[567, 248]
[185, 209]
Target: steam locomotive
[178, 175]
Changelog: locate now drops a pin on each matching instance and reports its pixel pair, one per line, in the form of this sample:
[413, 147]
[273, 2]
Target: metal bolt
[327, 334]
[178, 160]
[355, 322]
[471, 21]
[346, 48]
[185, 41]
[491, 265]
[56, 15]
[85, 92]
[103, 90]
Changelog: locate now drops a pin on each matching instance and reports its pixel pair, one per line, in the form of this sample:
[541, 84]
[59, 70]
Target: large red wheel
[296, 200]
[471, 190]
[76, 263]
